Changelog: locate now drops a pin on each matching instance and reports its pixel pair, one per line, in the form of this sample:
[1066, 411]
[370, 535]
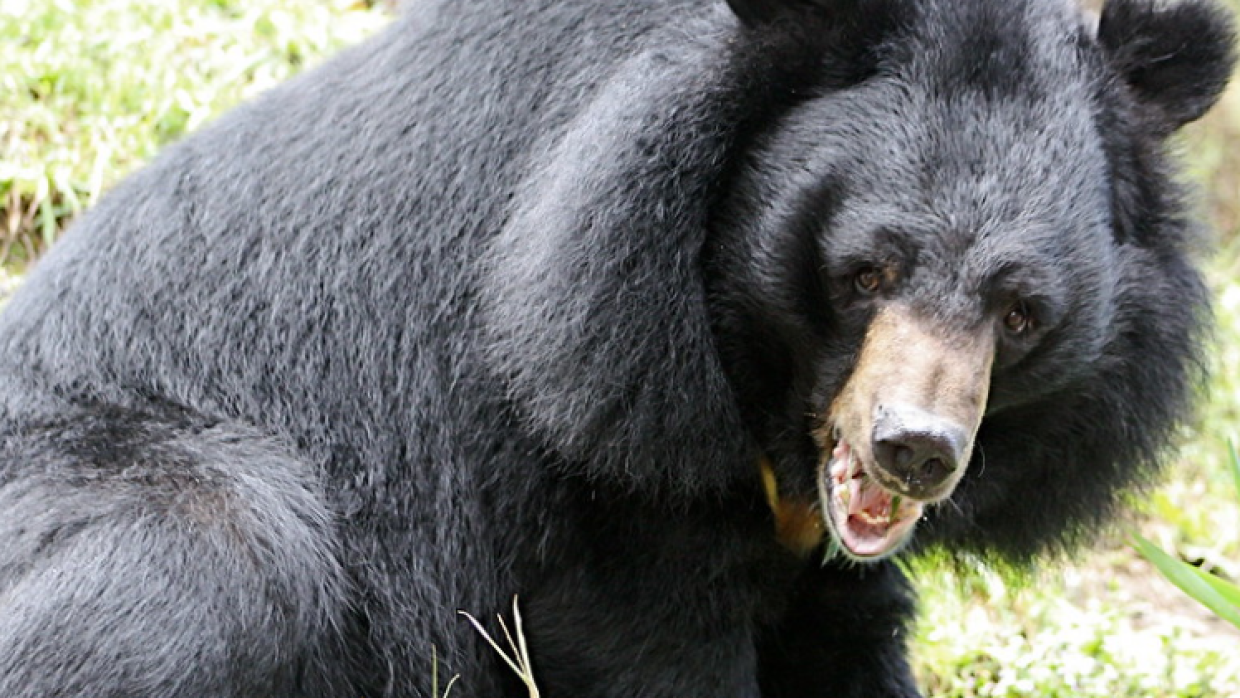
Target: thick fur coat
[530, 298]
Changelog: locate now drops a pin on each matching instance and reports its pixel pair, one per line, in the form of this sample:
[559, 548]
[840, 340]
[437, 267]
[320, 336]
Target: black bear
[636, 311]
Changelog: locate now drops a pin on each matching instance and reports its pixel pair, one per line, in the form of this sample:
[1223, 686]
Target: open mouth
[898, 434]
[869, 521]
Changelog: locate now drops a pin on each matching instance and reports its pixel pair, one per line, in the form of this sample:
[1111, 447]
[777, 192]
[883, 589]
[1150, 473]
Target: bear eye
[869, 280]
[1019, 319]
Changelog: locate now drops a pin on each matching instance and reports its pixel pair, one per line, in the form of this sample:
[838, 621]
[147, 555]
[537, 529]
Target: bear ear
[756, 13]
[1176, 57]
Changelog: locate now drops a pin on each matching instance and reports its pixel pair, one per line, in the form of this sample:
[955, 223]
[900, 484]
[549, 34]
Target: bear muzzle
[900, 433]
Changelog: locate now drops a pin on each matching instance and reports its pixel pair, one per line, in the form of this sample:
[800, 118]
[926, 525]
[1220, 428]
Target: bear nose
[919, 451]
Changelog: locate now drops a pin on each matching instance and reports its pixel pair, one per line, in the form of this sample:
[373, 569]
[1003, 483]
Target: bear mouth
[869, 521]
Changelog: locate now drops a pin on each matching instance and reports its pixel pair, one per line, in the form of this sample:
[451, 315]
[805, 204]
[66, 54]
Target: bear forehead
[897, 155]
[979, 112]
[1001, 49]
[1001, 88]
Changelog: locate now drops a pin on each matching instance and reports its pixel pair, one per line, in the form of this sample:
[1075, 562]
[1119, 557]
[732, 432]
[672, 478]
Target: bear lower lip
[866, 519]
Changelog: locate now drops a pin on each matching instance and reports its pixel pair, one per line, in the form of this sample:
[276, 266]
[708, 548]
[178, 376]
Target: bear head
[966, 274]
[926, 259]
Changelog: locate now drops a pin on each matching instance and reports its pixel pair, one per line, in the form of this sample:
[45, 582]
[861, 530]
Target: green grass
[90, 89]
[1099, 631]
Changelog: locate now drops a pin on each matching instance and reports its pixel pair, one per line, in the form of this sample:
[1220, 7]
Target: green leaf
[1212, 592]
[1230, 592]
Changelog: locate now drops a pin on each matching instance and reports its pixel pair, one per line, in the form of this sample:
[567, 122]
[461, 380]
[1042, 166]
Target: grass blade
[495, 646]
[1191, 580]
[519, 658]
[1230, 592]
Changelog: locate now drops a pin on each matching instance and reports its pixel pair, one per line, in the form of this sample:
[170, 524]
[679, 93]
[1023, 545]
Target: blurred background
[90, 89]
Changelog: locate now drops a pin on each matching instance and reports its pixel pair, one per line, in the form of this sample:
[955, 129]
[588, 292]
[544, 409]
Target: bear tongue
[871, 528]
[869, 502]
[868, 521]
[864, 498]
[867, 530]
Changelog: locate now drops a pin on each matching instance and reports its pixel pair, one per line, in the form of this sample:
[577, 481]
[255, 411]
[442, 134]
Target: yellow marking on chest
[798, 524]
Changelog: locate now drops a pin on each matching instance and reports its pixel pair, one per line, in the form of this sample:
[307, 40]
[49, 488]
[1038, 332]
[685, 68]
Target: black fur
[510, 300]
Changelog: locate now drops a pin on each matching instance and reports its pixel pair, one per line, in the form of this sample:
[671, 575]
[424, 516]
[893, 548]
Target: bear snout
[917, 452]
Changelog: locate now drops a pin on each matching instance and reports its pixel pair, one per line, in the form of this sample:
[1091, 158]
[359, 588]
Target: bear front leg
[616, 639]
[843, 636]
